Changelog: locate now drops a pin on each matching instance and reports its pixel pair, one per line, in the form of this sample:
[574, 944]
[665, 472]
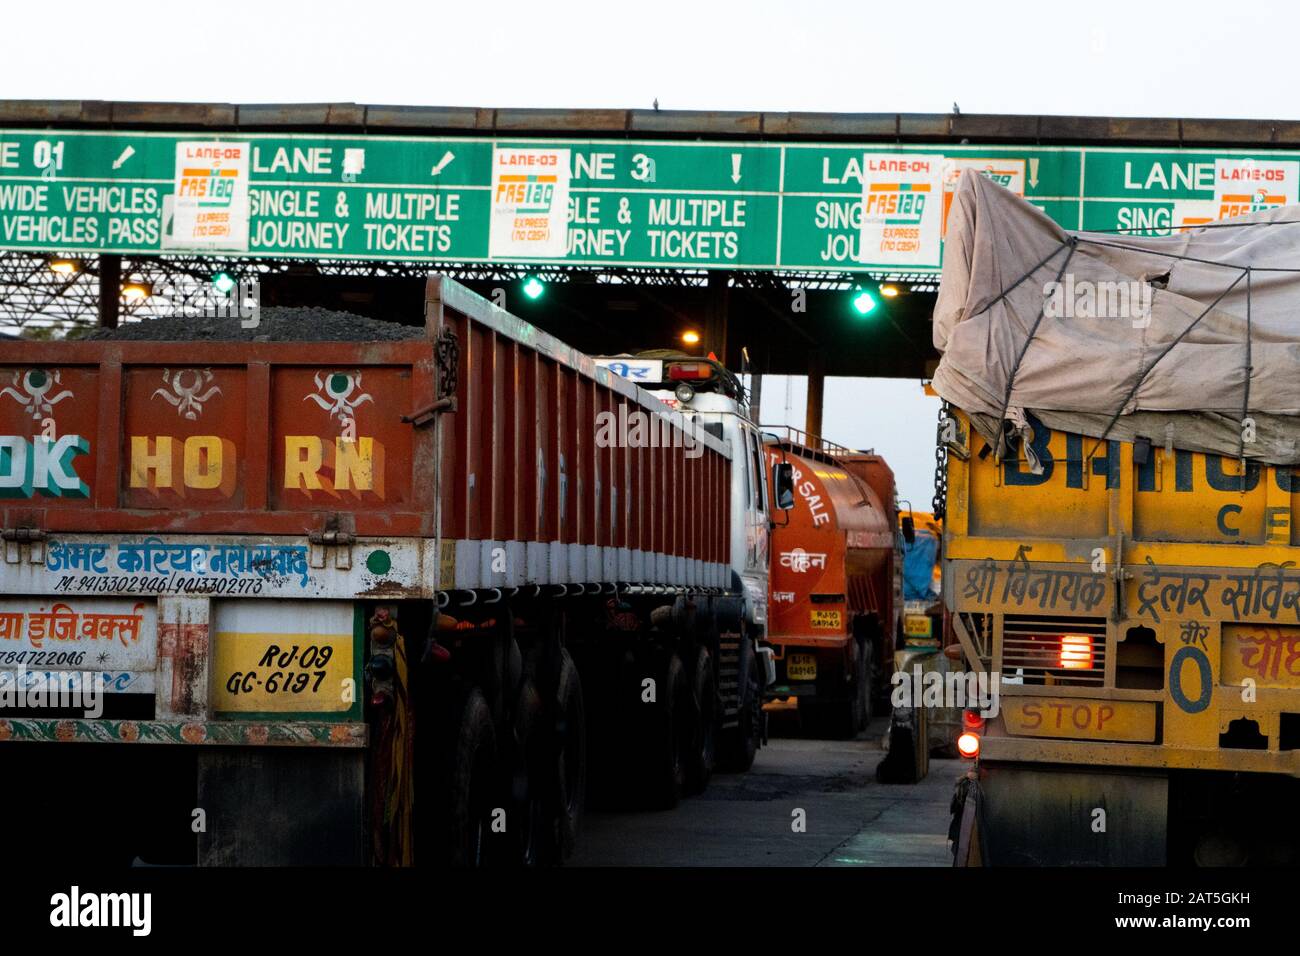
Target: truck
[836, 601]
[926, 646]
[1118, 495]
[1148, 695]
[386, 602]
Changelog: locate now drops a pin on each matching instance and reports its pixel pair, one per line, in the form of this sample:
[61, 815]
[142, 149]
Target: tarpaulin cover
[1176, 371]
[918, 567]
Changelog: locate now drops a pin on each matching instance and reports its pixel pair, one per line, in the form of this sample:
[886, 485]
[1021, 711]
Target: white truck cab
[712, 399]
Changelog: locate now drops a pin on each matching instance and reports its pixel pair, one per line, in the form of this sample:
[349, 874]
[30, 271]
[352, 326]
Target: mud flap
[1059, 817]
[282, 806]
[908, 759]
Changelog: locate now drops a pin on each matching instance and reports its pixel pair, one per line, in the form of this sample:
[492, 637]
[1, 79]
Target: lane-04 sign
[694, 205]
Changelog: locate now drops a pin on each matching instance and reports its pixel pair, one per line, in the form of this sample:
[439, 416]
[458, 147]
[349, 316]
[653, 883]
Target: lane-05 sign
[795, 206]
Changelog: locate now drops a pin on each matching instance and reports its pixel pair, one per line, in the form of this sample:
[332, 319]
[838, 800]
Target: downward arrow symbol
[447, 157]
[1033, 172]
[735, 167]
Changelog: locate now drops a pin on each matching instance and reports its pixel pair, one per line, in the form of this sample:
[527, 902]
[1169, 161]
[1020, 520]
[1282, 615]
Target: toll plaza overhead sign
[742, 205]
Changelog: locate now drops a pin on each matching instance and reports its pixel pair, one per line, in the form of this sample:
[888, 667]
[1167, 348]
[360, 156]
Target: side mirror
[783, 485]
[909, 529]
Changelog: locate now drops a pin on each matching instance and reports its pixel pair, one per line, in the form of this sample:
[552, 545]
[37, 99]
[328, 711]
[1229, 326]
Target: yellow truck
[1142, 609]
[1121, 553]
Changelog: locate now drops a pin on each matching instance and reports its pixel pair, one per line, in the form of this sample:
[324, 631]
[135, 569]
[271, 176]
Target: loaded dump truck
[835, 600]
[1120, 535]
[383, 600]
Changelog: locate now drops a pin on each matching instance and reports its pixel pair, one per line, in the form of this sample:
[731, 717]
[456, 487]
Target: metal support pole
[110, 290]
[816, 392]
[715, 318]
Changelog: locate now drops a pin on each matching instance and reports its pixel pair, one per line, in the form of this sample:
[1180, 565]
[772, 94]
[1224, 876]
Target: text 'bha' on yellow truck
[1120, 536]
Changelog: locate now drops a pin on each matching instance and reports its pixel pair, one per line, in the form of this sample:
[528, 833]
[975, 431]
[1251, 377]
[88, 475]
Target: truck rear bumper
[1054, 816]
[197, 732]
[1138, 756]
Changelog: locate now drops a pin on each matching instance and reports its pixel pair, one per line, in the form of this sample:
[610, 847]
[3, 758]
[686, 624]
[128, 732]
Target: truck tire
[738, 745]
[527, 824]
[472, 785]
[568, 785]
[844, 717]
[862, 687]
[704, 704]
[908, 760]
[669, 737]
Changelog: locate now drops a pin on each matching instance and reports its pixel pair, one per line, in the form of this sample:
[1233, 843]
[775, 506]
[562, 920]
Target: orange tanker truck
[835, 593]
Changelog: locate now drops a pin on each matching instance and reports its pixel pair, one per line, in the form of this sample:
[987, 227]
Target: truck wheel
[738, 745]
[670, 738]
[862, 688]
[908, 760]
[569, 753]
[473, 774]
[704, 704]
[841, 718]
[527, 823]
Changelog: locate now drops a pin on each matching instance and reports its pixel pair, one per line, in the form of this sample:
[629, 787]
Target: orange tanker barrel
[833, 559]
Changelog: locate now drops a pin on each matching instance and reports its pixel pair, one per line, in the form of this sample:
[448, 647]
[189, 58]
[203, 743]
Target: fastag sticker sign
[901, 209]
[1243, 186]
[210, 203]
[530, 203]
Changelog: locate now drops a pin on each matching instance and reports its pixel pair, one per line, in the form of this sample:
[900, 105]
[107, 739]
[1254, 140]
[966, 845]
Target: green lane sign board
[796, 206]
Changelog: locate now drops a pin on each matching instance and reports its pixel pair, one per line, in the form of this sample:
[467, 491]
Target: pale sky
[1191, 58]
[893, 417]
[1103, 57]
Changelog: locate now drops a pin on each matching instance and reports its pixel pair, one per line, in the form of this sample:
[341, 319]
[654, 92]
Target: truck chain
[940, 502]
[447, 355]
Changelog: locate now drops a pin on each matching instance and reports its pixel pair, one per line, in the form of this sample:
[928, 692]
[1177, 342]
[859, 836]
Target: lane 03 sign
[693, 205]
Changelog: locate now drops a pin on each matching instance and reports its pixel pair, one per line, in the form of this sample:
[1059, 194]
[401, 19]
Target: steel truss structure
[34, 299]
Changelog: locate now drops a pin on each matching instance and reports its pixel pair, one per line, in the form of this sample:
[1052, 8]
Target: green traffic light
[534, 287]
[223, 283]
[863, 302]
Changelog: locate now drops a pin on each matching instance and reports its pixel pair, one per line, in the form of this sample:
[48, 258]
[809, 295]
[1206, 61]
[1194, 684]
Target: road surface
[748, 819]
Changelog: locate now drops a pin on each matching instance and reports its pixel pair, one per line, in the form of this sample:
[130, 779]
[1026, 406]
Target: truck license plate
[801, 667]
[916, 625]
[290, 657]
[826, 620]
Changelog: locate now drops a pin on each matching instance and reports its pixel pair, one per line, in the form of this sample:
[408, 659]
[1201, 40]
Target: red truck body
[172, 510]
[255, 438]
[835, 597]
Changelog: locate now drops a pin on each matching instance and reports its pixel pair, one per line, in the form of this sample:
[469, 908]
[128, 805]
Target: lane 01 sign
[694, 205]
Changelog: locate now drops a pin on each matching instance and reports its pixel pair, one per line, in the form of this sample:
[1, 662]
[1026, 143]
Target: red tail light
[968, 745]
[1076, 652]
[689, 371]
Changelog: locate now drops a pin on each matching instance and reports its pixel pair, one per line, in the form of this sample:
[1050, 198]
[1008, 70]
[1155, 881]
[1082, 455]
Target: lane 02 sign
[693, 205]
